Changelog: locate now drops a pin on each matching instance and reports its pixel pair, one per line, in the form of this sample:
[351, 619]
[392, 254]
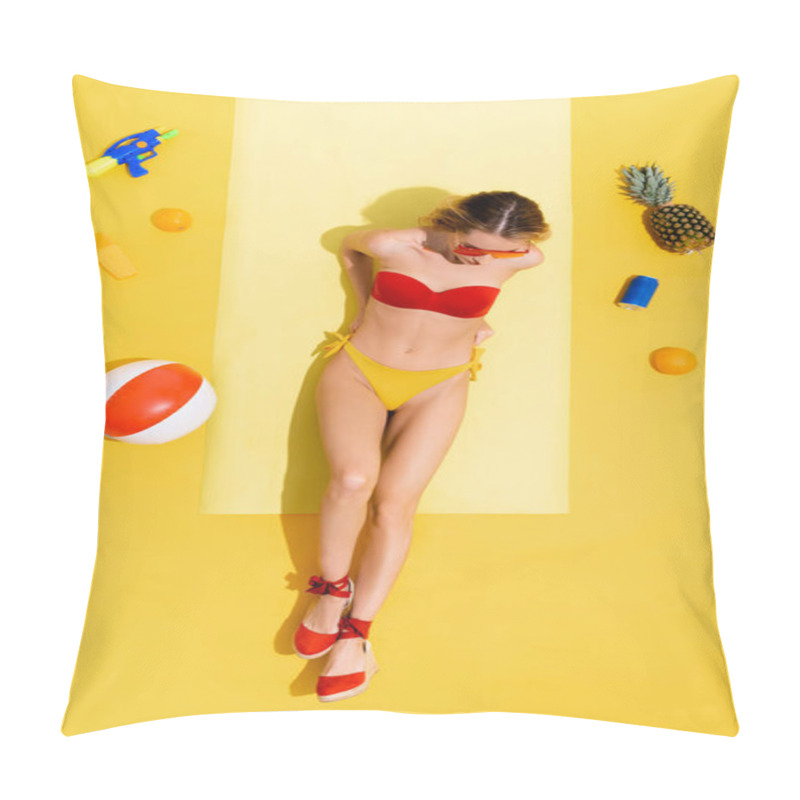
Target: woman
[392, 397]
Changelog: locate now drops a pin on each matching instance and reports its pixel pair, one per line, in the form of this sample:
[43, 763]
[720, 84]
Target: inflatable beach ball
[152, 402]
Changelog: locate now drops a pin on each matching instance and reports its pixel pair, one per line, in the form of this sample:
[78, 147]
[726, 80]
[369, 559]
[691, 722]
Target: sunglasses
[466, 250]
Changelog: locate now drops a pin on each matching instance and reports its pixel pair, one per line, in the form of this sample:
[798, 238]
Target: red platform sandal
[339, 687]
[313, 644]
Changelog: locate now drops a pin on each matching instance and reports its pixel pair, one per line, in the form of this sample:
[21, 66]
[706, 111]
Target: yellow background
[607, 612]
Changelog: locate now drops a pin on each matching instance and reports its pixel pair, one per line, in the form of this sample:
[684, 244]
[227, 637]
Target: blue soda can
[639, 292]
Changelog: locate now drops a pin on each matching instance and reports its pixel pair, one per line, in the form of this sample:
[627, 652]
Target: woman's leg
[416, 440]
[352, 420]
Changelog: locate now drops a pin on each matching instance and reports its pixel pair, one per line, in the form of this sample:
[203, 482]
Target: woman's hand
[483, 333]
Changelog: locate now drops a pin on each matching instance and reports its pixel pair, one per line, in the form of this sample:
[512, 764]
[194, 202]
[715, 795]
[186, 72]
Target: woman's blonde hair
[506, 214]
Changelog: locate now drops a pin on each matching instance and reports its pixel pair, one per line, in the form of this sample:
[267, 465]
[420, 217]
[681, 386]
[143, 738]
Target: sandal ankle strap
[340, 588]
[351, 627]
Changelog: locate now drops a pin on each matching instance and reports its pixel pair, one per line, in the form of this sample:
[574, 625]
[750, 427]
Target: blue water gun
[131, 150]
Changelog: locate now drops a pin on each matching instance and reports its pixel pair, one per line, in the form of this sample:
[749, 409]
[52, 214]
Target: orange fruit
[173, 220]
[673, 360]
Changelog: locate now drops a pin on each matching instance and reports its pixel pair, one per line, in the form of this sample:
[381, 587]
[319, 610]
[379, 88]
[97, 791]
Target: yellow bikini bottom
[395, 386]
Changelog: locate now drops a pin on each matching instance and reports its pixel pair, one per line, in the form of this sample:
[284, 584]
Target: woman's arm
[378, 243]
[531, 259]
[358, 250]
[359, 270]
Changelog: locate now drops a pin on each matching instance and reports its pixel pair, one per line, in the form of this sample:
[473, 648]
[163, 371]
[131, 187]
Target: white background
[53, 388]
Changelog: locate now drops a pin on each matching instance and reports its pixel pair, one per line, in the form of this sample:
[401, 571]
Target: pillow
[482, 473]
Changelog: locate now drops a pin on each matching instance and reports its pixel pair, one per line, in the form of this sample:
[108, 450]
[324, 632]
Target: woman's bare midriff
[410, 338]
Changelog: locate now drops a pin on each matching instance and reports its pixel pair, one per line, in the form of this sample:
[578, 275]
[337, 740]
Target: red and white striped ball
[152, 402]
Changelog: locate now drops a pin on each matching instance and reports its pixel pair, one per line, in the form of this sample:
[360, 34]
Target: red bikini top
[403, 291]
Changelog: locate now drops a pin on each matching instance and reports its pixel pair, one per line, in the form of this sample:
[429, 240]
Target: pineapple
[676, 227]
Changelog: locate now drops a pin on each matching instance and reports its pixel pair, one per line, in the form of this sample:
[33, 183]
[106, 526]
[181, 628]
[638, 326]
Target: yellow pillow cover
[560, 561]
